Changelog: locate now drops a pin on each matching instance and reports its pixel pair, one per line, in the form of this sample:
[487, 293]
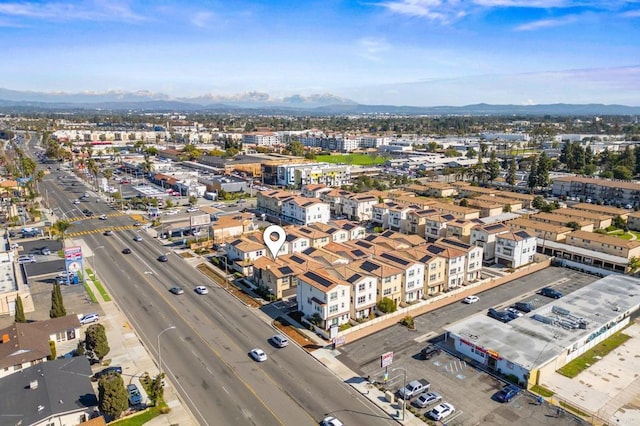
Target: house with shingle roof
[515, 249]
[323, 298]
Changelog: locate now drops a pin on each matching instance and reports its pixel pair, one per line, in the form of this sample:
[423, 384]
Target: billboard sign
[200, 220]
[386, 359]
[73, 261]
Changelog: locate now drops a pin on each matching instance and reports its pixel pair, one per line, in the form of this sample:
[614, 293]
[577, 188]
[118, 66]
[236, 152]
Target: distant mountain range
[263, 103]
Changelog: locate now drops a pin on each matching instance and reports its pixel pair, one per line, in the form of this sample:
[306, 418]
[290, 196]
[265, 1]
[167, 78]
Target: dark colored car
[176, 290]
[106, 371]
[550, 292]
[108, 233]
[507, 393]
[163, 258]
[126, 251]
[499, 315]
[524, 306]
[429, 351]
[134, 395]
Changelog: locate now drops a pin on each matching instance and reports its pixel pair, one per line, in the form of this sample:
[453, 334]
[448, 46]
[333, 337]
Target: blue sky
[400, 52]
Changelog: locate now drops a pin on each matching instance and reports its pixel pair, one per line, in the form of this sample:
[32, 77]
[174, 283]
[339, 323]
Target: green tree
[573, 225]
[155, 390]
[511, 173]
[296, 148]
[532, 180]
[53, 353]
[451, 152]
[622, 172]
[96, 340]
[112, 395]
[193, 200]
[61, 227]
[57, 305]
[542, 170]
[471, 153]
[493, 167]
[19, 315]
[387, 305]
[507, 208]
[464, 203]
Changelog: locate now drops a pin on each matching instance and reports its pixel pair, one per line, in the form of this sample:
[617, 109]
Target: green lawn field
[356, 159]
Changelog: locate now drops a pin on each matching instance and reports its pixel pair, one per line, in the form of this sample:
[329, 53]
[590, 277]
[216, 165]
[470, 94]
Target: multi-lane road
[206, 356]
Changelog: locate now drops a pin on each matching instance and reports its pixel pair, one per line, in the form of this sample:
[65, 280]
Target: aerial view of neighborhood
[298, 213]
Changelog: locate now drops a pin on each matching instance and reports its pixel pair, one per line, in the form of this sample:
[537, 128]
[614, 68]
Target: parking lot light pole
[172, 327]
[404, 385]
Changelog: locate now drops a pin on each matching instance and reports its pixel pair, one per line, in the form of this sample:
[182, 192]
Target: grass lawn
[592, 356]
[621, 234]
[90, 293]
[356, 159]
[140, 419]
[98, 284]
[542, 391]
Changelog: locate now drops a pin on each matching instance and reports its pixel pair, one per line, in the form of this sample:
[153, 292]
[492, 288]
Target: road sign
[386, 359]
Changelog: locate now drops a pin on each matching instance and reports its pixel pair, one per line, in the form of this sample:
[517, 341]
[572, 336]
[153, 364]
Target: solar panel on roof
[370, 237]
[493, 227]
[353, 278]
[285, 270]
[387, 233]
[297, 259]
[522, 234]
[318, 279]
[309, 251]
[358, 253]
[435, 249]
[395, 259]
[363, 244]
[369, 266]
[456, 243]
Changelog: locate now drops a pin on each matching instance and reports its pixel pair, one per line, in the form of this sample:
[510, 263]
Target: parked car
[202, 290]
[513, 312]
[427, 399]
[279, 340]
[441, 411]
[551, 292]
[499, 315]
[134, 395]
[192, 209]
[176, 290]
[507, 393]
[45, 251]
[525, 307]
[331, 421]
[430, 351]
[89, 318]
[258, 355]
[126, 250]
[470, 299]
[26, 258]
[413, 389]
[106, 371]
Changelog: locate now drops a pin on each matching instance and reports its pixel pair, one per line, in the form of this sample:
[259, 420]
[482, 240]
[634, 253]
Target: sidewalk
[128, 351]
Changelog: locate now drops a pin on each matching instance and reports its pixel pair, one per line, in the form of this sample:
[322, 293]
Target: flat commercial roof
[531, 342]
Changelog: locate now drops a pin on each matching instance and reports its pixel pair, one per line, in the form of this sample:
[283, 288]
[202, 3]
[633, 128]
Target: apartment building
[388, 278]
[605, 190]
[544, 231]
[280, 276]
[261, 138]
[435, 273]
[397, 216]
[317, 238]
[510, 204]
[412, 278]
[355, 230]
[460, 229]
[473, 257]
[485, 236]
[242, 252]
[359, 207]
[600, 221]
[436, 226]
[299, 175]
[338, 235]
[416, 222]
[459, 212]
[515, 249]
[303, 211]
[558, 219]
[314, 190]
[323, 299]
[454, 260]
[439, 190]
[270, 202]
[363, 291]
[486, 208]
[605, 210]
[633, 221]
[604, 243]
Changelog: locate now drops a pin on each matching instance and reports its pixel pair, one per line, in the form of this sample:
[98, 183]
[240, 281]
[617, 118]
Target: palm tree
[61, 227]
[108, 174]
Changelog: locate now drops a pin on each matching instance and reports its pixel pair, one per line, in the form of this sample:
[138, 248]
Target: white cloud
[96, 10]
[202, 19]
[546, 23]
[371, 48]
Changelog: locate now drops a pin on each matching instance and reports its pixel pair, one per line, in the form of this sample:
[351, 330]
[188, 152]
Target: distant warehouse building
[540, 342]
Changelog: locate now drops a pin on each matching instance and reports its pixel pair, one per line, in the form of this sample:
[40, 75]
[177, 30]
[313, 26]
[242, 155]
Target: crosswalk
[102, 230]
[80, 217]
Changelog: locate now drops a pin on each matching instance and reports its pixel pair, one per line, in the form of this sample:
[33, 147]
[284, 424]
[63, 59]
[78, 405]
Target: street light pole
[172, 327]
[404, 386]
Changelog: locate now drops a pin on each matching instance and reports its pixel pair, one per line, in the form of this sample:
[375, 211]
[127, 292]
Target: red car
[124, 181]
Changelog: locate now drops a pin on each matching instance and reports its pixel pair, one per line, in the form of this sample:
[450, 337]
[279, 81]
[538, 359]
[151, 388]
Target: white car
[427, 399]
[89, 318]
[441, 411]
[192, 209]
[202, 290]
[514, 312]
[258, 355]
[76, 201]
[26, 258]
[103, 217]
[171, 212]
[279, 340]
[137, 238]
[331, 421]
[470, 299]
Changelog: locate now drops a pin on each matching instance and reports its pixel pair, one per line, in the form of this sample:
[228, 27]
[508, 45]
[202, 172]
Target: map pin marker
[274, 246]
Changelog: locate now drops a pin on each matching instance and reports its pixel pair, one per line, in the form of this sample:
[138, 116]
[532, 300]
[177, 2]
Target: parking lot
[469, 389]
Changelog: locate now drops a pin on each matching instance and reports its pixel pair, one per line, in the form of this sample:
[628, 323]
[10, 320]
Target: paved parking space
[467, 388]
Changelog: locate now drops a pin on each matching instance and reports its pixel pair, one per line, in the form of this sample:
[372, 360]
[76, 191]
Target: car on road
[279, 340]
[176, 290]
[192, 209]
[137, 238]
[126, 250]
[258, 355]
[87, 212]
[440, 411]
[89, 318]
[103, 217]
[137, 224]
[202, 290]
[171, 212]
[525, 307]
[331, 421]
[76, 201]
[163, 258]
[427, 399]
[108, 232]
[26, 258]
[109, 370]
[507, 393]
[125, 181]
[45, 251]
[470, 299]
[430, 351]
[551, 292]
[135, 397]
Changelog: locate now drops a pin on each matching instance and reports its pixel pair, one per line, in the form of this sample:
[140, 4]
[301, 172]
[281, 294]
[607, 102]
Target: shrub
[408, 322]
[52, 346]
[387, 305]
